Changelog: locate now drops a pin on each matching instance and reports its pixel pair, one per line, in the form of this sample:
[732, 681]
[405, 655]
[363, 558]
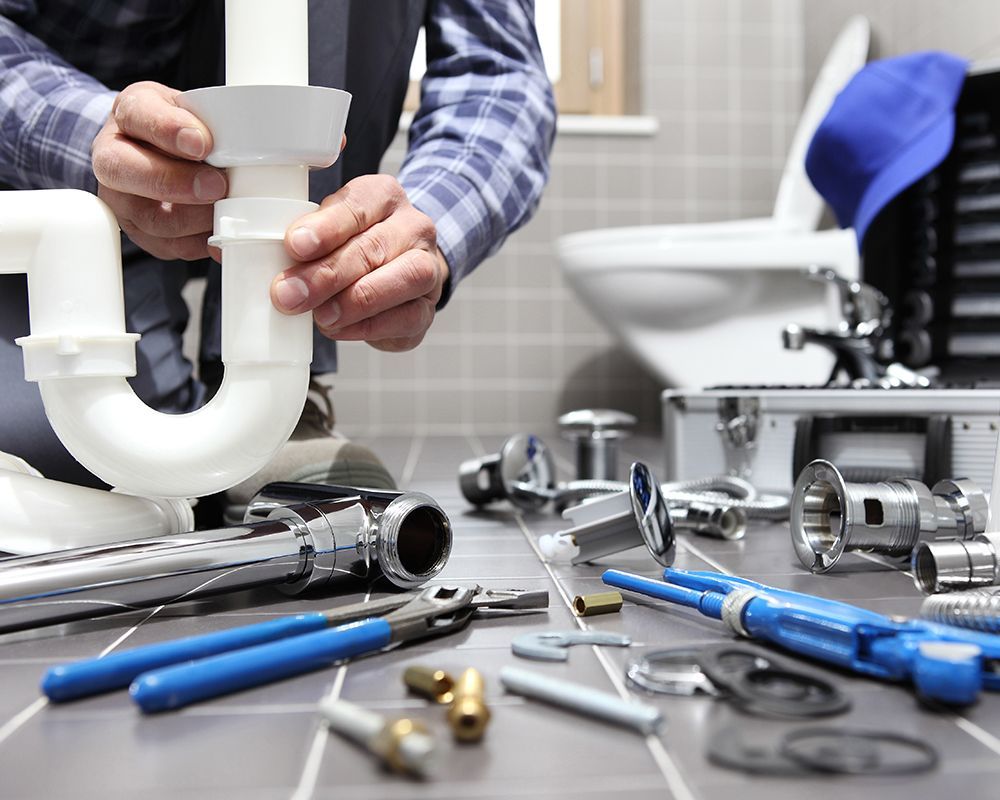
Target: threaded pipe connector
[830, 516]
[944, 566]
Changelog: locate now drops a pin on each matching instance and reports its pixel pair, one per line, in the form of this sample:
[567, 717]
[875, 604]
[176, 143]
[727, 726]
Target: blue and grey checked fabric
[479, 143]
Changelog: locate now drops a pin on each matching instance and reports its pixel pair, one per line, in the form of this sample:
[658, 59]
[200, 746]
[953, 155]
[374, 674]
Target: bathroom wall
[967, 27]
[514, 348]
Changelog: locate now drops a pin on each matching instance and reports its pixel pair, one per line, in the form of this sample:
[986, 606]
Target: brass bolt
[588, 605]
[434, 684]
[469, 715]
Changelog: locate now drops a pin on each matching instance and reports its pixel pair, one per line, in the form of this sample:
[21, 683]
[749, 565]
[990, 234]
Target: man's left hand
[366, 264]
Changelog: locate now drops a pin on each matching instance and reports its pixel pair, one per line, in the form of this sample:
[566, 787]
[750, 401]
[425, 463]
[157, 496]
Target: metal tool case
[768, 434]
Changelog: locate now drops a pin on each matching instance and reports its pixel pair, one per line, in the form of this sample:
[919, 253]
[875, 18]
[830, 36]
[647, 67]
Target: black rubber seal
[783, 692]
[856, 751]
[724, 663]
[729, 748]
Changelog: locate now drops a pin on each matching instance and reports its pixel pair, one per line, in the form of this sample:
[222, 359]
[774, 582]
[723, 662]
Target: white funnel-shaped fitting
[40, 515]
[68, 243]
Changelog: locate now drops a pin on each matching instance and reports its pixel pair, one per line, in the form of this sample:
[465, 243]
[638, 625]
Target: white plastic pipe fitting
[268, 127]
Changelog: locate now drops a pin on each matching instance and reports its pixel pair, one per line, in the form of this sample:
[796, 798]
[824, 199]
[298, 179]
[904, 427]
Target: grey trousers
[165, 379]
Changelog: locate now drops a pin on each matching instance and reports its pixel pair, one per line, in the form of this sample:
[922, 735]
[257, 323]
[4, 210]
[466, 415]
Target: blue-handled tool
[944, 663]
[434, 612]
[117, 670]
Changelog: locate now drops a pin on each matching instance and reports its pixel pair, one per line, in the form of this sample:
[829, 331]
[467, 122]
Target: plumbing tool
[943, 662]
[402, 745]
[830, 516]
[640, 717]
[947, 565]
[436, 611]
[117, 670]
[468, 714]
[978, 609]
[554, 645]
[596, 432]
[407, 539]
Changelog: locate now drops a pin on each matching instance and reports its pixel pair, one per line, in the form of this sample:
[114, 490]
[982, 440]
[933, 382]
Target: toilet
[706, 304]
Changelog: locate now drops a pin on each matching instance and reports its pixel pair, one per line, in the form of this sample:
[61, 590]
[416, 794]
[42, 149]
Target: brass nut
[434, 684]
[589, 605]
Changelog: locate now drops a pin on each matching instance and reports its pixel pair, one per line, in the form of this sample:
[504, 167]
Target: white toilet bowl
[706, 304]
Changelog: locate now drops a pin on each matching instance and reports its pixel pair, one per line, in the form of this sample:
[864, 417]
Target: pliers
[174, 674]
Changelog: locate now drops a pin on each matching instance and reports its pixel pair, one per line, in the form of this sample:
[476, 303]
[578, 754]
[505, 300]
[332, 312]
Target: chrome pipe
[830, 516]
[407, 539]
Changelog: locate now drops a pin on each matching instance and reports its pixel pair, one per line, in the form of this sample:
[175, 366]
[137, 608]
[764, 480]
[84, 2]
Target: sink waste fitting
[830, 517]
[523, 472]
[405, 537]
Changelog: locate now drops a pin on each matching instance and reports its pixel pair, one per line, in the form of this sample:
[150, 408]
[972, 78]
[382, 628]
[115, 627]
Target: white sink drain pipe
[268, 128]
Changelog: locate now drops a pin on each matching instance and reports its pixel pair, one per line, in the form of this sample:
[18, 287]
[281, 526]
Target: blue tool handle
[118, 670]
[178, 686]
[708, 603]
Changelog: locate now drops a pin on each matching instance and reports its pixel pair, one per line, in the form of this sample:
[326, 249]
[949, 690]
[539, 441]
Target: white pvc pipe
[40, 515]
[80, 353]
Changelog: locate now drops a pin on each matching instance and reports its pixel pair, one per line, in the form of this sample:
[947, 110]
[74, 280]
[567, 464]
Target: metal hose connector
[978, 609]
[945, 566]
[830, 516]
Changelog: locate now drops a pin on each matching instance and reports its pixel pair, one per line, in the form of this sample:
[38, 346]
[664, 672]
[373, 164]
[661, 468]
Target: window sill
[587, 125]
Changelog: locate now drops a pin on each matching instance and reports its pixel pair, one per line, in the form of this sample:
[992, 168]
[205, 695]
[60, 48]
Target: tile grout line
[314, 759]
[671, 774]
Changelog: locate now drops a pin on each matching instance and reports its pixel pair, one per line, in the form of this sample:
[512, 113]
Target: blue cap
[889, 126]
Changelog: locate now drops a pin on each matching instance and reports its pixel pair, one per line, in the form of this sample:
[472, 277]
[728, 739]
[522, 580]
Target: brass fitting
[404, 746]
[469, 714]
[589, 605]
[434, 684]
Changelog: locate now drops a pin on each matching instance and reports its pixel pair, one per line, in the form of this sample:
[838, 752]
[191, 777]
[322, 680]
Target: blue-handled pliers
[174, 674]
[944, 663]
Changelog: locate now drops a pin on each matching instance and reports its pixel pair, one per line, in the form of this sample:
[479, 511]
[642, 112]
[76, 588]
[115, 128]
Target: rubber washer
[787, 693]
[724, 663]
[728, 748]
[840, 751]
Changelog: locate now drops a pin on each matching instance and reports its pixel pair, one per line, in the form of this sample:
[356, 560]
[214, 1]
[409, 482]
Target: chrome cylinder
[523, 472]
[709, 519]
[945, 566]
[595, 433]
[297, 548]
[830, 517]
[978, 609]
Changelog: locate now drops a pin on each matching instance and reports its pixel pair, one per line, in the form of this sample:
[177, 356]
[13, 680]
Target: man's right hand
[148, 163]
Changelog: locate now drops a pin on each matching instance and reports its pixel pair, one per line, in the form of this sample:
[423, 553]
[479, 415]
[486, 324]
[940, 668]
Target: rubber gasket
[724, 663]
[787, 693]
[728, 748]
[652, 672]
[826, 740]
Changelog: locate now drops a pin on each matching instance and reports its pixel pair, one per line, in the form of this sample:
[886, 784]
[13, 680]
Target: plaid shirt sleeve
[479, 143]
[50, 113]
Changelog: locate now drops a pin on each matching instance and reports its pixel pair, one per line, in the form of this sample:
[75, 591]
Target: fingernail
[209, 185]
[304, 242]
[191, 142]
[327, 314]
[291, 293]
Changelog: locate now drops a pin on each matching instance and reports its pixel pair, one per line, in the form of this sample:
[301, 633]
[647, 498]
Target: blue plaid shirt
[479, 143]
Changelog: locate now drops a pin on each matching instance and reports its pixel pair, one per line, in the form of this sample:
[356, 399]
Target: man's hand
[147, 159]
[368, 266]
